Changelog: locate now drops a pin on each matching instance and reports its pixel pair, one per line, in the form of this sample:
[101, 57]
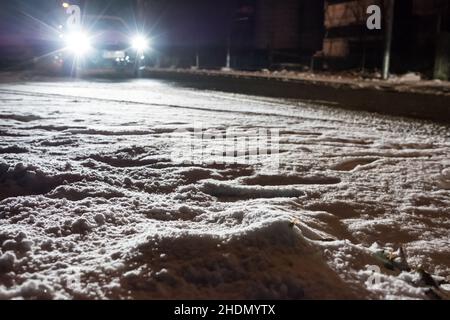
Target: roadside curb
[380, 98]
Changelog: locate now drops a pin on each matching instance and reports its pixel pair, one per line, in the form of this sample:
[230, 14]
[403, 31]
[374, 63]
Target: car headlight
[78, 43]
[140, 43]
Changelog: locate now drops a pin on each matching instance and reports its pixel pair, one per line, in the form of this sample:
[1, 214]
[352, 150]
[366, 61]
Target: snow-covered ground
[94, 205]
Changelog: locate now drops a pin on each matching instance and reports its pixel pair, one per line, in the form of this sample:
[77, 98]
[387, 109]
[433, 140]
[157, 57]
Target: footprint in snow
[351, 164]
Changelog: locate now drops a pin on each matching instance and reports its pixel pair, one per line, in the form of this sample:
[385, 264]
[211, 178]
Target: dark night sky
[16, 14]
[172, 22]
[202, 22]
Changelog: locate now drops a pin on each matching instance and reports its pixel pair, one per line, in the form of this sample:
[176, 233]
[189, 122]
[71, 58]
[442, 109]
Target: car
[103, 43]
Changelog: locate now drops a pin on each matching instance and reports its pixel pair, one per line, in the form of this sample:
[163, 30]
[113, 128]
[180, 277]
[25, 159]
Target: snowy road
[93, 203]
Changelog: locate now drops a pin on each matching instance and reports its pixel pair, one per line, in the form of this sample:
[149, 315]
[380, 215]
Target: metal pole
[230, 31]
[388, 38]
[441, 60]
[228, 63]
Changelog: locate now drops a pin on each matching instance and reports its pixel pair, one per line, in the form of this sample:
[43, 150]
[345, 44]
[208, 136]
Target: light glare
[139, 43]
[78, 43]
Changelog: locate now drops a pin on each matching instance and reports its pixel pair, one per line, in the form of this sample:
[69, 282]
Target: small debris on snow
[81, 226]
[7, 262]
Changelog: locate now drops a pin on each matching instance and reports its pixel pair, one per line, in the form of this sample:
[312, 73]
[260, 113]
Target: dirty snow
[93, 206]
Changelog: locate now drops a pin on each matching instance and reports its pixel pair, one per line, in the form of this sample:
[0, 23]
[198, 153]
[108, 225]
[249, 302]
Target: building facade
[420, 36]
[290, 30]
[258, 33]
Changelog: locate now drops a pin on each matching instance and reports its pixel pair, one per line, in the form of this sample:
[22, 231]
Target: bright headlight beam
[78, 43]
[140, 43]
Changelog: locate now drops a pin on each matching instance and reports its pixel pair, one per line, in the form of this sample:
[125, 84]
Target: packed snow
[93, 205]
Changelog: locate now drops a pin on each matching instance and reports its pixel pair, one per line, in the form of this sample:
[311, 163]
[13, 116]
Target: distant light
[65, 5]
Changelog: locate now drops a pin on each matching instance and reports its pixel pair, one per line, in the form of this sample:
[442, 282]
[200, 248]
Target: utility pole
[442, 60]
[228, 62]
[231, 17]
[389, 14]
[197, 60]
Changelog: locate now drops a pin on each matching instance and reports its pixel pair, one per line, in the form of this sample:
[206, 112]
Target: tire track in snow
[92, 98]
